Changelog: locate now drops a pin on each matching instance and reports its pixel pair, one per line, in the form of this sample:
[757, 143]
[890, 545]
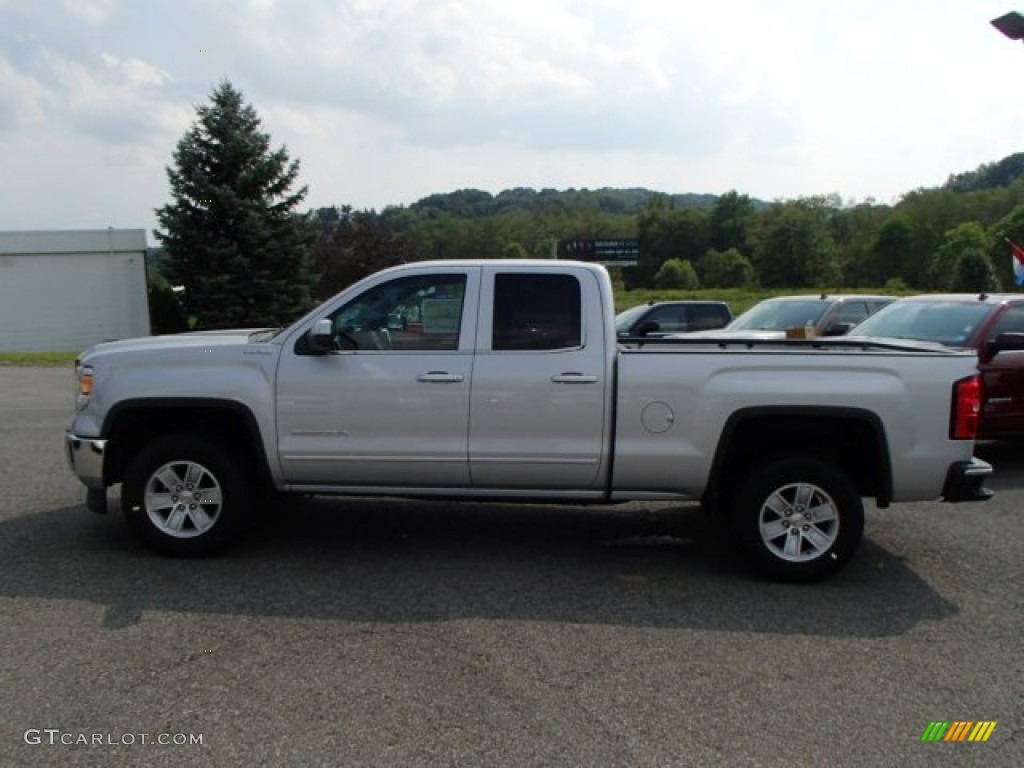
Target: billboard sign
[611, 253]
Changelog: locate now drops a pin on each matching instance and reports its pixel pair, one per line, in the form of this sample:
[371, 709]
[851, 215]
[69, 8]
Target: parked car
[971, 321]
[826, 314]
[658, 318]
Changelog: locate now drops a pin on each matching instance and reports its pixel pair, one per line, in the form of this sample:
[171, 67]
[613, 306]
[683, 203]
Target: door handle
[439, 377]
[573, 377]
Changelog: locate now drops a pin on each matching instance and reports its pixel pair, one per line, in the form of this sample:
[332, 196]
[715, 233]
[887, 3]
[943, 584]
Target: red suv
[974, 321]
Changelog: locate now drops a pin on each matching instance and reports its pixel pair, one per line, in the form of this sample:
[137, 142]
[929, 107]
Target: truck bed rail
[636, 343]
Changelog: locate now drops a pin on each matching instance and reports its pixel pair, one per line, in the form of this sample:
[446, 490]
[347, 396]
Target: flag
[1018, 262]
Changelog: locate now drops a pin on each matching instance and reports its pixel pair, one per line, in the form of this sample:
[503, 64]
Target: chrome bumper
[965, 481]
[85, 457]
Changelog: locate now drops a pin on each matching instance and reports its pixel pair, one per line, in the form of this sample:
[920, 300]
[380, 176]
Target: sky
[384, 102]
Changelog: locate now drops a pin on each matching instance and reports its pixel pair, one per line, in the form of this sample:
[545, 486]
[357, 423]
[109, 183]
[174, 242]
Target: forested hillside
[951, 237]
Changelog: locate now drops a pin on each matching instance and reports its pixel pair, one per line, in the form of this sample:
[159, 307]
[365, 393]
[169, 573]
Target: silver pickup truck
[505, 380]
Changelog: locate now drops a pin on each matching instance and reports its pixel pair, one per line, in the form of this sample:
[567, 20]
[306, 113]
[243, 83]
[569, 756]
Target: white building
[62, 290]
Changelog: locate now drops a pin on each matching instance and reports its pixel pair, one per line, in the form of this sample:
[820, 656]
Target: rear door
[539, 401]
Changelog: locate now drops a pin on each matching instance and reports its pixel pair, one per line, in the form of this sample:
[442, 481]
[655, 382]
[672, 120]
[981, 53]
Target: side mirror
[1004, 342]
[650, 326]
[320, 337]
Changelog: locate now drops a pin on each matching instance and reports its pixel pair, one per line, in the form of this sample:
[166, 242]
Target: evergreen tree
[232, 238]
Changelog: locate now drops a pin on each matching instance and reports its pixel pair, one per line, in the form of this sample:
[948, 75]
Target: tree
[855, 231]
[975, 273]
[513, 250]
[731, 223]
[944, 272]
[726, 269]
[1010, 227]
[676, 273]
[232, 238]
[545, 248]
[891, 255]
[666, 233]
[797, 249]
[988, 175]
[351, 245]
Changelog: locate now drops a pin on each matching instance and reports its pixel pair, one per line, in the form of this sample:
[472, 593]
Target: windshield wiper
[265, 335]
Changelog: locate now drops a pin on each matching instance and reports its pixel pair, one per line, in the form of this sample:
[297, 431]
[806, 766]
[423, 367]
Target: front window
[625, 320]
[669, 318]
[778, 315]
[417, 313]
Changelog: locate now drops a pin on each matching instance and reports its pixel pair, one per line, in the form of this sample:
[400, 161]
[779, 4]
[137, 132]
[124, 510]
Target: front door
[389, 407]
[1003, 385]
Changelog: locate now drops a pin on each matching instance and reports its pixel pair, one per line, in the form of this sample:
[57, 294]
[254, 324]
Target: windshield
[780, 314]
[947, 322]
[624, 320]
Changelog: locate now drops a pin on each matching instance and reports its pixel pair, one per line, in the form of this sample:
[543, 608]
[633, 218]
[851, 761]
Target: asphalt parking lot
[370, 633]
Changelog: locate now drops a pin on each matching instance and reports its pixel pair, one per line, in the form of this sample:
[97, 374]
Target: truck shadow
[405, 561]
[1007, 457]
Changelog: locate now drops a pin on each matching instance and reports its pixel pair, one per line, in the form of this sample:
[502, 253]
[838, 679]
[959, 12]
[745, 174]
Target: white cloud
[21, 100]
[387, 101]
[91, 11]
[135, 72]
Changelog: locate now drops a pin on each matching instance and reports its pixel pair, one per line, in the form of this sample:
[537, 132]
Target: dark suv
[665, 317]
[971, 321]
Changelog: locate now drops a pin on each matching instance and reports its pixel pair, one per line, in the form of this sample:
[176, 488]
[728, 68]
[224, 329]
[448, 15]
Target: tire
[811, 497]
[185, 496]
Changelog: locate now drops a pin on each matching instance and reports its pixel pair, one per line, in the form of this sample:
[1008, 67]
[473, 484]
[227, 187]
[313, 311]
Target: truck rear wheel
[797, 519]
[184, 496]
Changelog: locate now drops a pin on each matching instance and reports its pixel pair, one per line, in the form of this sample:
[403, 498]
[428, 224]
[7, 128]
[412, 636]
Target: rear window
[706, 317]
[536, 312]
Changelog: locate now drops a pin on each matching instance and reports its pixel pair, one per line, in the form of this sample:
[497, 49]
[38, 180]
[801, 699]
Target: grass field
[37, 358]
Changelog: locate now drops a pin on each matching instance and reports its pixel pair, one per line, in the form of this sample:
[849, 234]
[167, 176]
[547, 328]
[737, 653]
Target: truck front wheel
[184, 496]
[797, 519]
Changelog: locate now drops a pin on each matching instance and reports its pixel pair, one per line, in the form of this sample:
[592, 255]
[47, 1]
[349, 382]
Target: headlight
[84, 375]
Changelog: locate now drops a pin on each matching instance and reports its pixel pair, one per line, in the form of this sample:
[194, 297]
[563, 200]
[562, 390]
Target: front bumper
[85, 457]
[965, 481]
